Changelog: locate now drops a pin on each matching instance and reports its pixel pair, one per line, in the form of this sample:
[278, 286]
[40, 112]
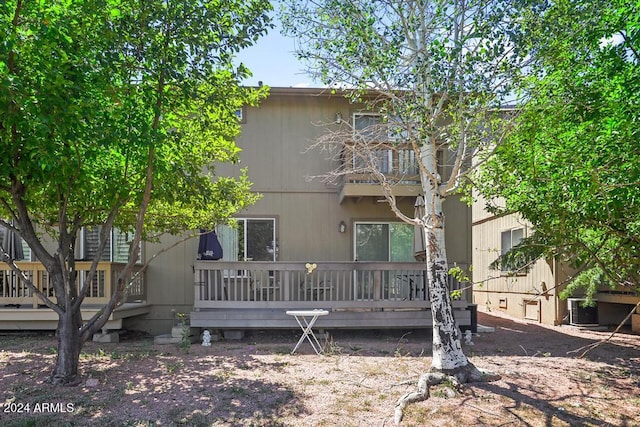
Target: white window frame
[504, 250]
[364, 114]
[385, 165]
[226, 256]
[397, 133]
[381, 222]
[240, 114]
[244, 220]
[365, 292]
[393, 133]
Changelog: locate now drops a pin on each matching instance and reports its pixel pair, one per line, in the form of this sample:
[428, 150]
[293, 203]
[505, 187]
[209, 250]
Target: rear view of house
[307, 243]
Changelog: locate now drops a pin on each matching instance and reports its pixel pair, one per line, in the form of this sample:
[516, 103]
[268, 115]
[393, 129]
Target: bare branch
[587, 348]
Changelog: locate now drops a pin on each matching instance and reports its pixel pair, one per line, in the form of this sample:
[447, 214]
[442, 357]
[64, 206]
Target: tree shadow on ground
[524, 404]
[142, 384]
[156, 387]
[516, 338]
[545, 379]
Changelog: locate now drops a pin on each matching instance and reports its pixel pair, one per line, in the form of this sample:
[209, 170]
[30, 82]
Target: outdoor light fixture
[338, 117]
[342, 227]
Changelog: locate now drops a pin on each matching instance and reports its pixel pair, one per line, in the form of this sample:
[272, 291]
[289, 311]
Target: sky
[272, 61]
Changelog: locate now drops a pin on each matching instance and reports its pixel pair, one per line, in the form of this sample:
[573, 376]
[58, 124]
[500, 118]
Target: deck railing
[14, 291]
[257, 284]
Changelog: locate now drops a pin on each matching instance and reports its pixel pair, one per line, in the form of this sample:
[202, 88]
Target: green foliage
[459, 274]
[185, 338]
[520, 258]
[115, 113]
[92, 93]
[456, 294]
[434, 70]
[571, 165]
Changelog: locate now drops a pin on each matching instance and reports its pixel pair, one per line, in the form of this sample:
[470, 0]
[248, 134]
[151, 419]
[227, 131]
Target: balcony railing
[397, 162]
[15, 292]
[336, 285]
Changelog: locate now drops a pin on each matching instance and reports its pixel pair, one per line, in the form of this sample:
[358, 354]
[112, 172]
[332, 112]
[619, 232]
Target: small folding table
[306, 319]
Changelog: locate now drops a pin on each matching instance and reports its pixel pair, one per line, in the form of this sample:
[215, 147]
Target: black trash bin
[473, 308]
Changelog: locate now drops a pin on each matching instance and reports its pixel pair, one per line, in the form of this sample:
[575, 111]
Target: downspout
[556, 283]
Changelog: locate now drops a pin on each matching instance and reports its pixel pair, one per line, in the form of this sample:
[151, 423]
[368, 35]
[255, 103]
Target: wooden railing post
[109, 277]
[377, 285]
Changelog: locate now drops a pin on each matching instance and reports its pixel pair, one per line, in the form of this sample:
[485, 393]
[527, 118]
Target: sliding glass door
[383, 242]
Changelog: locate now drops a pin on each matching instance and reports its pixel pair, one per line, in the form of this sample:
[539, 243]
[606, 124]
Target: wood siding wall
[531, 295]
[275, 141]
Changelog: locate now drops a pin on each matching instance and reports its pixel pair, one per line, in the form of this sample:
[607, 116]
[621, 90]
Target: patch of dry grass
[257, 382]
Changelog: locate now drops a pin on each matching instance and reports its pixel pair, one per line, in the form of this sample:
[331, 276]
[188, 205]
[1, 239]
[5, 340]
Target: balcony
[20, 308]
[397, 163]
[359, 294]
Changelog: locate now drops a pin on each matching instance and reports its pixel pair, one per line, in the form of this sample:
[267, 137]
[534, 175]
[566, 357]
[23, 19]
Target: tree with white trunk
[437, 72]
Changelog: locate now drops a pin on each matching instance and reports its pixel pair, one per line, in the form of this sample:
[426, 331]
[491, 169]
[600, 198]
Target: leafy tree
[436, 70]
[112, 113]
[570, 166]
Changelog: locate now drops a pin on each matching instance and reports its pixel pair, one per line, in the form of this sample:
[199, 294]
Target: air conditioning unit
[580, 315]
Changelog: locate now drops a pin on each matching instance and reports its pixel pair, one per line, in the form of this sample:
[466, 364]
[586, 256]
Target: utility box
[580, 315]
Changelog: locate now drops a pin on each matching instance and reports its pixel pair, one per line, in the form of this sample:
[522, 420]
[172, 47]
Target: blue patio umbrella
[209, 248]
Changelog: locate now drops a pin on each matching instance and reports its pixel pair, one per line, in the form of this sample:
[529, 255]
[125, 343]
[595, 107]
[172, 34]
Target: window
[116, 249]
[368, 126]
[253, 239]
[384, 242]
[390, 154]
[392, 241]
[375, 127]
[399, 130]
[241, 115]
[508, 240]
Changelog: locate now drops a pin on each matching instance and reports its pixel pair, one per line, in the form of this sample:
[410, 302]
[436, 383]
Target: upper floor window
[375, 127]
[240, 114]
[368, 126]
[388, 155]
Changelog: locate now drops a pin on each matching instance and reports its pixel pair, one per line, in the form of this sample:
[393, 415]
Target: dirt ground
[256, 382]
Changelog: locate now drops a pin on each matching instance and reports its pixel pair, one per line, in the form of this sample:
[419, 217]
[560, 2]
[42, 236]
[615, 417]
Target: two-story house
[307, 243]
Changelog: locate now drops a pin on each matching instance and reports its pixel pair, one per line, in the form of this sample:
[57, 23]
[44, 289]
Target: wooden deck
[256, 295]
[21, 309]
[43, 318]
